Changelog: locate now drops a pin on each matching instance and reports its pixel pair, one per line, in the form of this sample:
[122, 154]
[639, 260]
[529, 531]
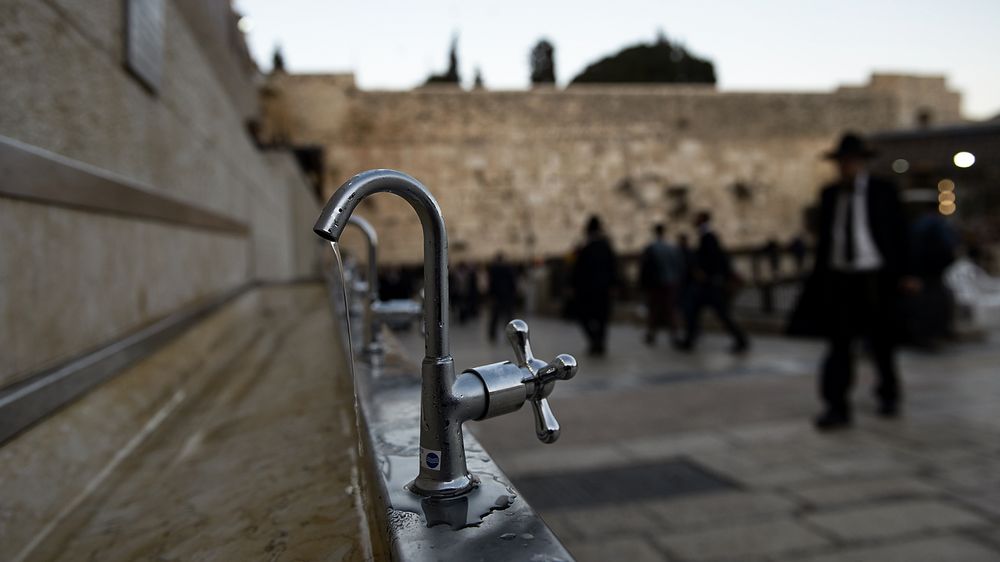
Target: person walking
[593, 277]
[857, 275]
[711, 278]
[933, 247]
[661, 270]
[502, 290]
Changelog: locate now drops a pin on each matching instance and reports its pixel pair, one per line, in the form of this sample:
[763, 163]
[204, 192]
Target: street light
[964, 159]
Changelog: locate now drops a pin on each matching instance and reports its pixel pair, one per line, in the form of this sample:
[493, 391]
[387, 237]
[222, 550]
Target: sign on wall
[144, 37]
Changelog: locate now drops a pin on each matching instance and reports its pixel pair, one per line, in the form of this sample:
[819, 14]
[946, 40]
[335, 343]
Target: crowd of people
[871, 270]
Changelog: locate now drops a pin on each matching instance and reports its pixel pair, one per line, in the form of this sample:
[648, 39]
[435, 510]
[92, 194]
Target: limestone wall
[521, 171]
[71, 280]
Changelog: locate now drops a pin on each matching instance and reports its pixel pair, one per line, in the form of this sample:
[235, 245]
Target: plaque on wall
[144, 26]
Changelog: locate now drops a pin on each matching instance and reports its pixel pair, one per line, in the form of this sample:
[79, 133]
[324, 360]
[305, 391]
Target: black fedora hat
[851, 144]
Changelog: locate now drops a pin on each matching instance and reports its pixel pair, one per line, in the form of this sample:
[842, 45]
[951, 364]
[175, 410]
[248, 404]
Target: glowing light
[900, 166]
[946, 185]
[946, 197]
[946, 208]
[964, 159]
[245, 24]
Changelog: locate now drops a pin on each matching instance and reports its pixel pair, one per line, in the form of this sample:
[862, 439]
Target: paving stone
[721, 506]
[853, 491]
[861, 464]
[987, 501]
[618, 519]
[630, 549]
[970, 476]
[560, 524]
[757, 539]
[894, 519]
[563, 460]
[938, 549]
[673, 445]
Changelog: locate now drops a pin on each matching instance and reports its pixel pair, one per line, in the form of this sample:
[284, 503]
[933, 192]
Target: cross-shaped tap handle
[539, 379]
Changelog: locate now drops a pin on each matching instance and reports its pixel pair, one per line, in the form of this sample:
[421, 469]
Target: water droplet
[527, 536]
[508, 536]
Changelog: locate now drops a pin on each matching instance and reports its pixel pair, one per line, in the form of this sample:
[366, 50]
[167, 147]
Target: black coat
[711, 260]
[887, 225]
[595, 270]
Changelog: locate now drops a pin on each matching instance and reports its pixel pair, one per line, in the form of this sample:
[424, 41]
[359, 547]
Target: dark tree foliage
[660, 61]
[451, 75]
[543, 64]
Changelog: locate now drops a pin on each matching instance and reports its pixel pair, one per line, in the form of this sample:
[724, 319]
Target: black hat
[851, 144]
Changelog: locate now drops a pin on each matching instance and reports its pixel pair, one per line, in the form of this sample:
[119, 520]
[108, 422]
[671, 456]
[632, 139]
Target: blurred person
[502, 292]
[467, 291]
[933, 245]
[711, 277]
[772, 253]
[534, 285]
[593, 278]
[857, 274]
[661, 269]
[687, 273]
[797, 248]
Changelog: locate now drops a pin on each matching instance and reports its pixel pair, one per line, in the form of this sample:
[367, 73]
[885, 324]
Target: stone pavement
[925, 487]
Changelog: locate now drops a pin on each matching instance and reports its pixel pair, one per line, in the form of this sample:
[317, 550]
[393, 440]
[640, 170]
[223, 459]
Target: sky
[764, 45]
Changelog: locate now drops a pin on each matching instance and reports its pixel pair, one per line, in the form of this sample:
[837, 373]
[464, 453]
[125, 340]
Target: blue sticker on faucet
[430, 459]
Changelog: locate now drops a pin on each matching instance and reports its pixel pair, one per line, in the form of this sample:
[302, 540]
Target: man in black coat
[858, 273]
[502, 292]
[594, 275]
[711, 277]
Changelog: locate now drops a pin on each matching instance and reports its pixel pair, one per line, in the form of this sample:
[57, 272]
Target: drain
[674, 477]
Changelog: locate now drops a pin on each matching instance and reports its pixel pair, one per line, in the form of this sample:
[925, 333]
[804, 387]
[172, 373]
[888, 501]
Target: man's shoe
[888, 410]
[684, 345]
[832, 421]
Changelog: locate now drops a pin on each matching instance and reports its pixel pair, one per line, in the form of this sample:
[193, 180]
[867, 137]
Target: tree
[543, 65]
[662, 61]
[450, 76]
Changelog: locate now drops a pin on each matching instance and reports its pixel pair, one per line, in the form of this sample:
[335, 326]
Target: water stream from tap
[357, 452]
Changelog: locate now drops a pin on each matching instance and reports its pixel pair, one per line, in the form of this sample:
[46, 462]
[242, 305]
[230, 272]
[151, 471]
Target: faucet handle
[540, 379]
[517, 335]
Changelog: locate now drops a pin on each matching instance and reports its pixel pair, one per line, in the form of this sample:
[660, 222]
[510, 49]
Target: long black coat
[887, 225]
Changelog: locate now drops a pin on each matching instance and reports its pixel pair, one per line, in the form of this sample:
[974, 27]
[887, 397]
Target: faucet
[446, 400]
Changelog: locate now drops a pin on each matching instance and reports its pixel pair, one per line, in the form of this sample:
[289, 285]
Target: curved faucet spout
[335, 217]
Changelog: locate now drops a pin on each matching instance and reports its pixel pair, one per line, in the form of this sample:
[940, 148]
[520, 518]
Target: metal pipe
[334, 219]
[371, 334]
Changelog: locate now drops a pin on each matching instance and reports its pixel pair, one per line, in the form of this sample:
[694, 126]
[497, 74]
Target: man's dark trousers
[715, 297]
[860, 308]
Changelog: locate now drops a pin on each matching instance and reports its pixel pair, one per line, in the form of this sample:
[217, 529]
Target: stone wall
[521, 171]
[71, 280]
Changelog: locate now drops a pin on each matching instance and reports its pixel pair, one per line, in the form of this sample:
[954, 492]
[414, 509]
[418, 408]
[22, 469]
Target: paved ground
[925, 487]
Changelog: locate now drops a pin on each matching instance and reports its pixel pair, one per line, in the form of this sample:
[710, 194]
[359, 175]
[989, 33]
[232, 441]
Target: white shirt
[866, 255]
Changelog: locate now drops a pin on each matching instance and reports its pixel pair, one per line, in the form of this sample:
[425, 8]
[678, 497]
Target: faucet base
[463, 509]
[448, 489]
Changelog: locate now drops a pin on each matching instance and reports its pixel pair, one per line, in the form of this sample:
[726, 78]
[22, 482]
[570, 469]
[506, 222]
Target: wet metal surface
[665, 479]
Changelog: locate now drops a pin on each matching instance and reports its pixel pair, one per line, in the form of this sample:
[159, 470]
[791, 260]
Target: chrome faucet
[447, 400]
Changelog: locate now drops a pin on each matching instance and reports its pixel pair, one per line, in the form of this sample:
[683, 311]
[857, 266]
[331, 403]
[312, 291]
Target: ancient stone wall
[521, 171]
